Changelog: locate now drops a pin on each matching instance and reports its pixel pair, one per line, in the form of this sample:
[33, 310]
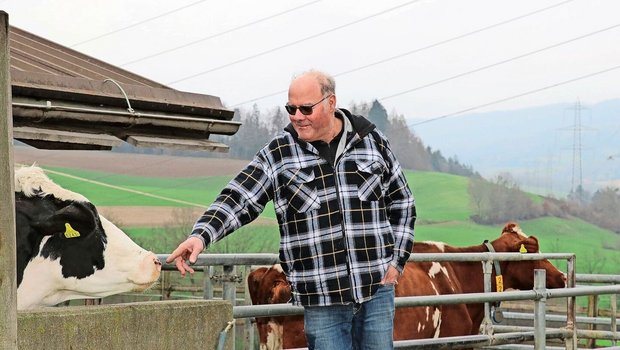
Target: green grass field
[441, 199]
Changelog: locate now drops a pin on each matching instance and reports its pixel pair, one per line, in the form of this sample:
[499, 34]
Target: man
[345, 211]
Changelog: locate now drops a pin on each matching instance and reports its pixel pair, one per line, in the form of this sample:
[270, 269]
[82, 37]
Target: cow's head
[268, 285]
[66, 250]
[520, 274]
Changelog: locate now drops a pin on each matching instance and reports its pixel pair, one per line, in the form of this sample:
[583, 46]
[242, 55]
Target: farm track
[129, 163]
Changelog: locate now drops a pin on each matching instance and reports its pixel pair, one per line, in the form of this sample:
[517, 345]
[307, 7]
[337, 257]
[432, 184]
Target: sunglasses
[305, 110]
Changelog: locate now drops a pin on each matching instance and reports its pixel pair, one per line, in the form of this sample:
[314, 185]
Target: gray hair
[326, 81]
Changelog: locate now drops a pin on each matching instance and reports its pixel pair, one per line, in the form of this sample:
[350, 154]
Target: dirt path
[158, 216]
[144, 216]
[130, 163]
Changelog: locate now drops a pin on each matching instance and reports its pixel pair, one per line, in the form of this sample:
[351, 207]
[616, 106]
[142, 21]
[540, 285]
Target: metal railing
[539, 333]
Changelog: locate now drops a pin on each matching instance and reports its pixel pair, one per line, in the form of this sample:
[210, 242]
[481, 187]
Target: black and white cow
[66, 250]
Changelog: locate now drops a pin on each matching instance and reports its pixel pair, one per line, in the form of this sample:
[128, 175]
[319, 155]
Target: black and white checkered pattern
[340, 225]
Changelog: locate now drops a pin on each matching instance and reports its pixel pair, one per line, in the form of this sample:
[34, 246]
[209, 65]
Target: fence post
[540, 304]
[487, 325]
[592, 312]
[571, 324]
[8, 282]
[166, 285]
[207, 284]
[614, 324]
[248, 325]
[229, 290]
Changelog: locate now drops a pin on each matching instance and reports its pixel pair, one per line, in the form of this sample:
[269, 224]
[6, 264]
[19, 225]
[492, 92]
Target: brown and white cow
[66, 250]
[268, 286]
[439, 278]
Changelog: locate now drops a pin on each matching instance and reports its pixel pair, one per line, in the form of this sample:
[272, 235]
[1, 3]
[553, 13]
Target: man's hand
[188, 250]
[391, 276]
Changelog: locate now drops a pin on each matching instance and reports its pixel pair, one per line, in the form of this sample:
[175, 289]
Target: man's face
[305, 91]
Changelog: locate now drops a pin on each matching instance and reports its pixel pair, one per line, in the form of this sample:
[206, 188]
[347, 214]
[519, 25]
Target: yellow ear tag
[499, 281]
[522, 249]
[70, 232]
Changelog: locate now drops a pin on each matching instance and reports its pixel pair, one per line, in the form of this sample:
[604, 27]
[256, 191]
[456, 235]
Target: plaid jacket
[340, 225]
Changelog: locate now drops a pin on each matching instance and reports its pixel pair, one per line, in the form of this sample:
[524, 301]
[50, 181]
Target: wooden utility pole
[8, 289]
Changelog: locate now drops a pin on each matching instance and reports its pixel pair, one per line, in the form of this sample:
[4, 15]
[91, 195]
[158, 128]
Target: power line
[455, 38]
[461, 36]
[293, 42]
[220, 33]
[500, 62]
[137, 23]
[515, 96]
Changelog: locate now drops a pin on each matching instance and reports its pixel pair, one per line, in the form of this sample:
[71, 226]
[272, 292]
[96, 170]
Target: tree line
[259, 127]
[500, 199]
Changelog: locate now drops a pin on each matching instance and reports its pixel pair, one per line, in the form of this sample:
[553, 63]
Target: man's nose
[297, 115]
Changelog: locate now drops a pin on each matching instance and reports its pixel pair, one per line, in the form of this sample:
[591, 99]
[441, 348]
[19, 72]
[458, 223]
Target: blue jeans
[367, 326]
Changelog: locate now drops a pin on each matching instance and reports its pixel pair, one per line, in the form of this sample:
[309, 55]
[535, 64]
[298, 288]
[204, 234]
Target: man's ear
[332, 103]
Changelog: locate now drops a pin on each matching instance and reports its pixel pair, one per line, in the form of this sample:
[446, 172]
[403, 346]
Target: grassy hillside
[441, 199]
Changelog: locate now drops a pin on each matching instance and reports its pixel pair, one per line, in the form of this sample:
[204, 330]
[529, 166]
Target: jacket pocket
[299, 189]
[370, 187]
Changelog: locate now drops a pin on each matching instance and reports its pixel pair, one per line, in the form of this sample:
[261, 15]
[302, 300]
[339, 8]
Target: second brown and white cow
[440, 278]
[66, 250]
[269, 286]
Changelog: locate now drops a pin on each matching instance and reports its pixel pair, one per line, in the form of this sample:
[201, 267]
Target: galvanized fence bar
[207, 284]
[473, 340]
[229, 290]
[269, 259]
[581, 333]
[614, 326]
[487, 324]
[540, 309]
[559, 318]
[571, 305]
[469, 298]
[597, 278]
[248, 328]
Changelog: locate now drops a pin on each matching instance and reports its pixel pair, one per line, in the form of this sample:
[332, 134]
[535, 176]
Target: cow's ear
[531, 244]
[73, 220]
[254, 279]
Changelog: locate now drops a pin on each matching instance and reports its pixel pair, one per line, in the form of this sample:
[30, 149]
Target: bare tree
[500, 201]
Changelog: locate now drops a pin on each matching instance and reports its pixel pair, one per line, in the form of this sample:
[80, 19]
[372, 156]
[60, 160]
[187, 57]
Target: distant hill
[536, 145]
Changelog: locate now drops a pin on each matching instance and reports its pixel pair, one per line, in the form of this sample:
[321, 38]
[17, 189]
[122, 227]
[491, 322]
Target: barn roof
[65, 99]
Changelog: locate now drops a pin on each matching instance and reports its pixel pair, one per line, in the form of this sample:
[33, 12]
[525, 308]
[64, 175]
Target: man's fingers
[175, 254]
[182, 266]
[194, 256]
[187, 250]
[391, 276]
[179, 264]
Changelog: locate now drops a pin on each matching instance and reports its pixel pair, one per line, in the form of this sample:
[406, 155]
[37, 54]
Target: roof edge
[111, 93]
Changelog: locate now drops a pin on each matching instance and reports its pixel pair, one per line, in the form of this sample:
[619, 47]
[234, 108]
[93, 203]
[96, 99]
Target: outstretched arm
[240, 202]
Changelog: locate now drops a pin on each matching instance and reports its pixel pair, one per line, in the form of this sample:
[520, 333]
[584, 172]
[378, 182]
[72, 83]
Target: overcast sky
[422, 59]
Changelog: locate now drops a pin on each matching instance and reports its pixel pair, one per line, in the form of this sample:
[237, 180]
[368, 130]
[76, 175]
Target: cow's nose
[565, 279]
[157, 263]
